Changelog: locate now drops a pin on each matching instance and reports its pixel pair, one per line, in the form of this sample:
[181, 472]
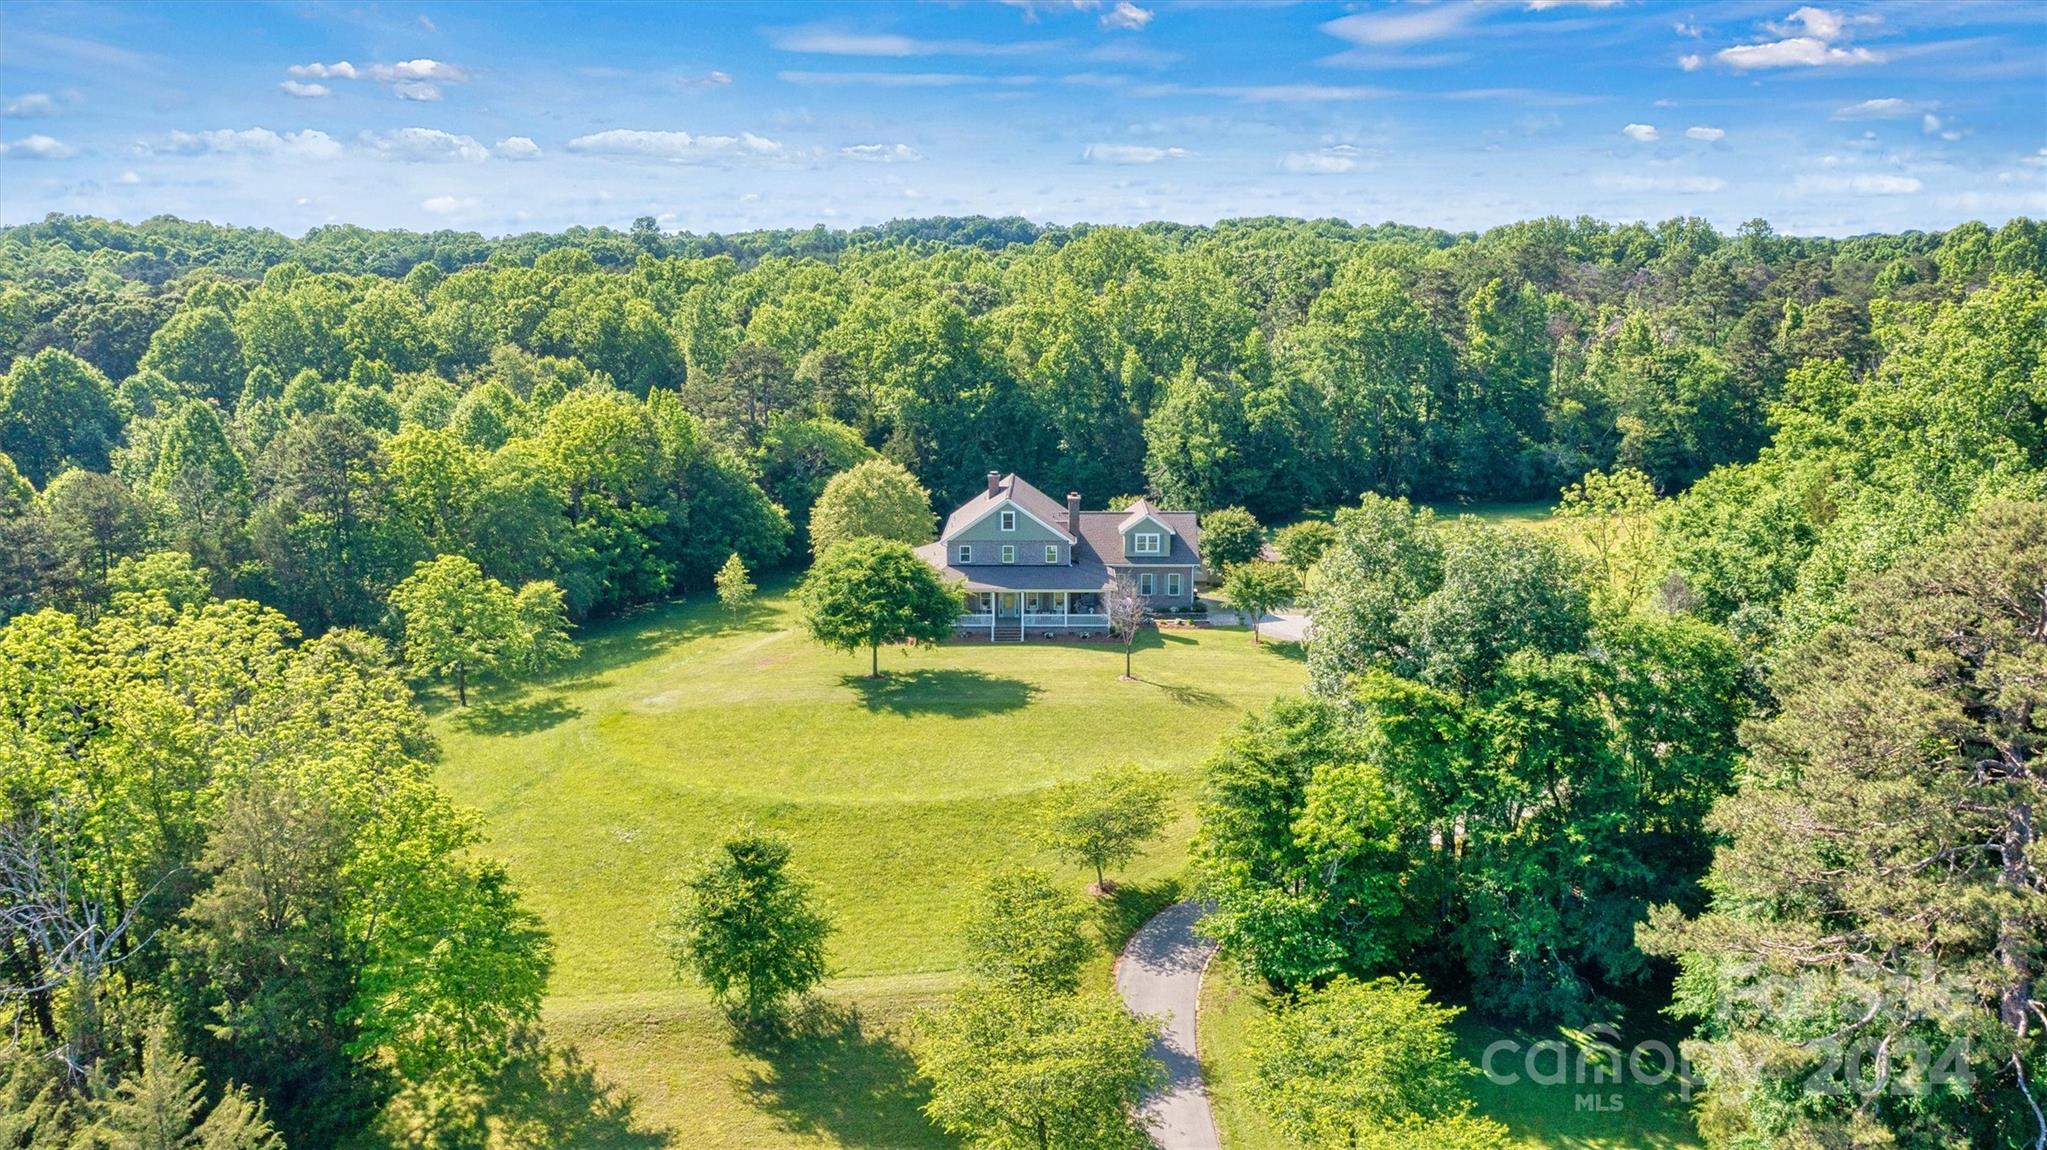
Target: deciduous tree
[1255, 588]
[875, 500]
[1103, 820]
[748, 929]
[1018, 1069]
[869, 591]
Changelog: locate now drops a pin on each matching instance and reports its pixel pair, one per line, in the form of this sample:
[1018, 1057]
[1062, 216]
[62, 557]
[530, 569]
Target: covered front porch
[1018, 616]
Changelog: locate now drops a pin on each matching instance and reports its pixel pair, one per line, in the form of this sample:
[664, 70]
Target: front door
[1008, 604]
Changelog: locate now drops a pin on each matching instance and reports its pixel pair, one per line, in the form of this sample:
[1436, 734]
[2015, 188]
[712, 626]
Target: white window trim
[1173, 583]
[1008, 520]
[1145, 583]
[1146, 543]
[1009, 552]
[1051, 553]
[966, 553]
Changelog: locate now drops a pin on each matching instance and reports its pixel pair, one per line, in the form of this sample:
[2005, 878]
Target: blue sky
[1835, 119]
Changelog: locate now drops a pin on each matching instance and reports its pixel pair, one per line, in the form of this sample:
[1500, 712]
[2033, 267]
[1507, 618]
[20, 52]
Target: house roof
[1011, 487]
[1097, 543]
[1141, 511]
[1084, 574]
[1102, 534]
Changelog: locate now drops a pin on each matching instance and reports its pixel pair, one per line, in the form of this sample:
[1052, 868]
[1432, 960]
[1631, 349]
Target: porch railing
[1058, 619]
[974, 621]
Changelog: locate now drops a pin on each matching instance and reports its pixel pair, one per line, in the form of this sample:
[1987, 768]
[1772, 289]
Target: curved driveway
[1159, 973]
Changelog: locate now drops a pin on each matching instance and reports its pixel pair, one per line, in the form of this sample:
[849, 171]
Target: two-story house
[1029, 565]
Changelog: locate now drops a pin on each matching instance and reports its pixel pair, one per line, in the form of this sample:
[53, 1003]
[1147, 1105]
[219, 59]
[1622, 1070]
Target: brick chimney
[994, 482]
[1073, 523]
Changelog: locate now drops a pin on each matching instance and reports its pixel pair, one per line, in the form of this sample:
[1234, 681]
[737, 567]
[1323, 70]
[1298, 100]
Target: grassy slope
[598, 786]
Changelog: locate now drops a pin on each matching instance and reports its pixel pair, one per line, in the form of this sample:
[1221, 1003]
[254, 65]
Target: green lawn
[1625, 1116]
[598, 786]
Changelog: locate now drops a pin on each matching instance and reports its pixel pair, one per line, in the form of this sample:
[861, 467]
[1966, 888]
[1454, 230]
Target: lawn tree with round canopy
[866, 592]
[1257, 587]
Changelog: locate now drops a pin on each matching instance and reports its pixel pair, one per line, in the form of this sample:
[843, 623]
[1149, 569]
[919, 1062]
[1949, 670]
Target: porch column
[1066, 609]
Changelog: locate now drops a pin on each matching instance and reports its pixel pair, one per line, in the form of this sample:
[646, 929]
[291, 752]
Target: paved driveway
[1159, 973]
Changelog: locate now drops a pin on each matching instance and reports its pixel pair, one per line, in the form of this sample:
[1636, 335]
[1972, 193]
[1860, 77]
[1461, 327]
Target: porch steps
[1007, 630]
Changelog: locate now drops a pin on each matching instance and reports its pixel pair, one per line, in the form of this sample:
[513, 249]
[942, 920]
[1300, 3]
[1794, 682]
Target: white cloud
[1690, 61]
[305, 91]
[426, 145]
[880, 79]
[29, 104]
[39, 147]
[1330, 161]
[1126, 16]
[1858, 185]
[827, 40]
[341, 71]
[1797, 52]
[1131, 154]
[1641, 133]
[420, 69]
[1709, 135]
[516, 148]
[128, 177]
[1806, 40]
[1820, 23]
[1402, 26]
[447, 205]
[1271, 93]
[1684, 185]
[1883, 109]
[882, 153]
[418, 79]
[1546, 5]
[310, 144]
[677, 146]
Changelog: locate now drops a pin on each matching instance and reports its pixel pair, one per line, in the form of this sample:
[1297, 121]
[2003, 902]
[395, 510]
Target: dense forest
[619, 412]
[1766, 729]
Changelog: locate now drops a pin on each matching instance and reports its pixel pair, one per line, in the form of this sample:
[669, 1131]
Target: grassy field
[599, 786]
[1537, 1116]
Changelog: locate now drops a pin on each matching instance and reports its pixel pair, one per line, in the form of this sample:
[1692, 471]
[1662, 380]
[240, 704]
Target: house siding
[987, 538]
[1159, 598]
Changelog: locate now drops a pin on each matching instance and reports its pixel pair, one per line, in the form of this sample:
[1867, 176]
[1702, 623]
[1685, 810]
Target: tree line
[619, 412]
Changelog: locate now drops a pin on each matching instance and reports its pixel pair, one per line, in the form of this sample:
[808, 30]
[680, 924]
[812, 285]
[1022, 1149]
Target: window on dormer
[966, 553]
[1147, 543]
[1051, 553]
[1008, 553]
[1009, 521]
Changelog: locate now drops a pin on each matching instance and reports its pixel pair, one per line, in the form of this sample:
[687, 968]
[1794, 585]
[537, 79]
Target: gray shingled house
[1029, 565]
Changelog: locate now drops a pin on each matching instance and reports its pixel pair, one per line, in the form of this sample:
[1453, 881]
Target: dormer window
[1008, 553]
[1051, 553]
[1146, 543]
[1008, 522]
[966, 553]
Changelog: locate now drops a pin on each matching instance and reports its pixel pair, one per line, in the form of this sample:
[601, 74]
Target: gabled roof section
[1141, 511]
[1102, 534]
[1010, 489]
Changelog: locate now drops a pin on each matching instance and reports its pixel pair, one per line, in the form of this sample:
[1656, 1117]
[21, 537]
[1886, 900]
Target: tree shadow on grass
[952, 691]
[1185, 694]
[518, 715]
[546, 1095]
[1126, 906]
[829, 1073]
[1292, 650]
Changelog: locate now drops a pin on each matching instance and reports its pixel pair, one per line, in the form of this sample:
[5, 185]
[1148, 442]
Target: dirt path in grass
[1159, 973]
